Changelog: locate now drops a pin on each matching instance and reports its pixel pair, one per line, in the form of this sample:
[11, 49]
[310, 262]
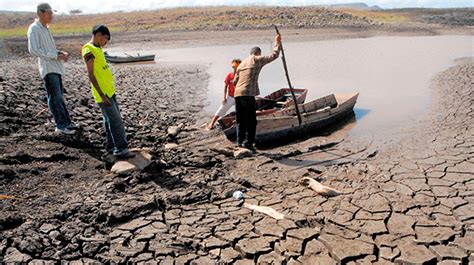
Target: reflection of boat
[315, 114]
[129, 58]
[269, 104]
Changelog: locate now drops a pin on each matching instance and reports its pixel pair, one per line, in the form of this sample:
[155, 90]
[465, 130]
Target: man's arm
[34, 47]
[275, 52]
[236, 77]
[225, 93]
[90, 71]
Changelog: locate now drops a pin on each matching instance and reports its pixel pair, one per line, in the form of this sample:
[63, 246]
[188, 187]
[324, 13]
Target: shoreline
[66, 205]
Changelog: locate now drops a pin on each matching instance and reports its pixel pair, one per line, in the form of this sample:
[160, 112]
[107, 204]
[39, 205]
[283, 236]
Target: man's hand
[106, 101]
[63, 56]
[278, 38]
[224, 101]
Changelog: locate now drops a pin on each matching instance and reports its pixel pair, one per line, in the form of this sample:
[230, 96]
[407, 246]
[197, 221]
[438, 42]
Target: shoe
[65, 131]
[240, 145]
[106, 155]
[72, 127]
[126, 155]
[250, 147]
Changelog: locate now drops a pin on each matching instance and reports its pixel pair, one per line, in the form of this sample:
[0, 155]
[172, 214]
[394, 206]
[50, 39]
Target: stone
[12, 255]
[169, 146]
[141, 160]
[343, 249]
[46, 228]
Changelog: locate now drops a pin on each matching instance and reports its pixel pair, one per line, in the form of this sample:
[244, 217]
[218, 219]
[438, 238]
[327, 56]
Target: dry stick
[41, 112]
[265, 210]
[283, 58]
[320, 188]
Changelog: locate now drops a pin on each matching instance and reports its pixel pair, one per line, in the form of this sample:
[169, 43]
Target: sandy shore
[409, 202]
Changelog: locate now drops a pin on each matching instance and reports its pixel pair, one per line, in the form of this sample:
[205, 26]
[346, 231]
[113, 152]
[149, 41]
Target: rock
[12, 255]
[139, 162]
[173, 131]
[242, 153]
[169, 146]
[46, 228]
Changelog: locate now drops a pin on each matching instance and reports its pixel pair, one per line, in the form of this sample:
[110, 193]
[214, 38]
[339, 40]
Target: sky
[100, 6]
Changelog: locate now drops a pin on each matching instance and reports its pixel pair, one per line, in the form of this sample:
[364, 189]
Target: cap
[43, 7]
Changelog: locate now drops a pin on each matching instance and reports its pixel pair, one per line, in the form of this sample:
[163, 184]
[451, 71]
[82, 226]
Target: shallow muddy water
[392, 74]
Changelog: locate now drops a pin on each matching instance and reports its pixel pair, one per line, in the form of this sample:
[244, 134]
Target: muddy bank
[61, 182]
[62, 203]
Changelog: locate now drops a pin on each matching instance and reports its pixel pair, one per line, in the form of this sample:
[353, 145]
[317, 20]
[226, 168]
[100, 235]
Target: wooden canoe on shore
[315, 115]
[271, 103]
[129, 58]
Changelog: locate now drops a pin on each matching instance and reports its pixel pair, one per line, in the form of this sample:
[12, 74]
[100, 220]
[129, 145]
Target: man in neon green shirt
[103, 91]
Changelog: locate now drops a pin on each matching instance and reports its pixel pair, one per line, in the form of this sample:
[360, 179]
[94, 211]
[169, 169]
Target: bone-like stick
[320, 188]
[265, 210]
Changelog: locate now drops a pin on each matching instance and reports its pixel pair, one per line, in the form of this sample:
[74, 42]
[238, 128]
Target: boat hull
[119, 59]
[315, 115]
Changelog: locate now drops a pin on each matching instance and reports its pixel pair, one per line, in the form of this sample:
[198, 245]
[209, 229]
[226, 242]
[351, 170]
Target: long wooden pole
[288, 79]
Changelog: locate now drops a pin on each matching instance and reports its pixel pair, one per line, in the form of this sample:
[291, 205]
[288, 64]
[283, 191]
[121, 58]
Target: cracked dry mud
[410, 202]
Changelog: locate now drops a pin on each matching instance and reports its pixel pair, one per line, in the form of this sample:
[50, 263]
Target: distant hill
[7, 12]
[362, 6]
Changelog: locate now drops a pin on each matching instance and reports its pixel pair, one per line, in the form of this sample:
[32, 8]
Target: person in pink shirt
[228, 100]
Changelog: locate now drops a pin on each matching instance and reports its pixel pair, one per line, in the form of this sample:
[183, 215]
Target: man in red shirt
[229, 90]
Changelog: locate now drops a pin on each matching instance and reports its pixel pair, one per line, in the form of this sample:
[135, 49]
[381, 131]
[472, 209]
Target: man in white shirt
[41, 44]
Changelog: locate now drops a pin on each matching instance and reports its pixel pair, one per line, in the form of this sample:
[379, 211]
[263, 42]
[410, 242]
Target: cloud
[102, 6]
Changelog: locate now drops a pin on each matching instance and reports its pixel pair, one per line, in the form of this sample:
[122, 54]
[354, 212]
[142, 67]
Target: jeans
[114, 129]
[55, 90]
[246, 119]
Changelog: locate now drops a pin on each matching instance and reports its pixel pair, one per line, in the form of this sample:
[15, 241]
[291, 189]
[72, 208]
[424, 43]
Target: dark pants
[55, 90]
[114, 129]
[246, 119]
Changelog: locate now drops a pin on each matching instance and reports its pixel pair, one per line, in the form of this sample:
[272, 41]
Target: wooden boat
[315, 115]
[274, 102]
[129, 58]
